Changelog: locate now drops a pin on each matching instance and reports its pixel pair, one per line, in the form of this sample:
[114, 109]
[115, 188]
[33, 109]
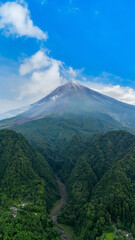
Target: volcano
[73, 98]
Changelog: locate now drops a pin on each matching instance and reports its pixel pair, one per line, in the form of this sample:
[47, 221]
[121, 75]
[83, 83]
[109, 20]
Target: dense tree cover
[68, 155]
[27, 191]
[50, 134]
[113, 199]
[32, 223]
[98, 172]
[101, 187]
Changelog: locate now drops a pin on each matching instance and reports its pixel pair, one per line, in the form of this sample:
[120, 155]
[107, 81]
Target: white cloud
[45, 75]
[123, 94]
[37, 61]
[7, 105]
[40, 74]
[15, 20]
[71, 74]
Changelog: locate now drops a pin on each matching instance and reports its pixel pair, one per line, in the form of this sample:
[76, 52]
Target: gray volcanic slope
[77, 99]
[73, 98]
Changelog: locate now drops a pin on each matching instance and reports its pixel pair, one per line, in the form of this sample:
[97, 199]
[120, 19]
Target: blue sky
[45, 43]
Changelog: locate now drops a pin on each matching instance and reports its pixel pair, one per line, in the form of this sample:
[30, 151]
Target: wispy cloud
[15, 20]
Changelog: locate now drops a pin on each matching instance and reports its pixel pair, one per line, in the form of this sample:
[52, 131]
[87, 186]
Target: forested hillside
[50, 134]
[101, 187]
[99, 173]
[67, 120]
[27, 190]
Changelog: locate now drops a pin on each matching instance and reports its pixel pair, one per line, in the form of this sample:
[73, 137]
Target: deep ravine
[65, 231]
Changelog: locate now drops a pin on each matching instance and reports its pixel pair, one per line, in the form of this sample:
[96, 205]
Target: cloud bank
[15, 20]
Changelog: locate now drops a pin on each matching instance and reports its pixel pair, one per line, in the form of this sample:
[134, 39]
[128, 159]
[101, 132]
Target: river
[65, 231]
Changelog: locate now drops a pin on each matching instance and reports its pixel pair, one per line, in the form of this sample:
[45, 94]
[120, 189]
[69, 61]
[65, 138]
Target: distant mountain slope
[78, 100]
[26, 183]
[74, 98]
[69, 110]
[101, 186]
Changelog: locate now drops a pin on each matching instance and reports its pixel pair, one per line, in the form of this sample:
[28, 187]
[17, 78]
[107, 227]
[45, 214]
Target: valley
[67, 120]
[76, 169]
[65, 231]
[63, 194]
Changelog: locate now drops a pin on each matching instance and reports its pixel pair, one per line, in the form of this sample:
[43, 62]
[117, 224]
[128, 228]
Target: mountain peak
[72, 85]
[73, 98]
[66, 89]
